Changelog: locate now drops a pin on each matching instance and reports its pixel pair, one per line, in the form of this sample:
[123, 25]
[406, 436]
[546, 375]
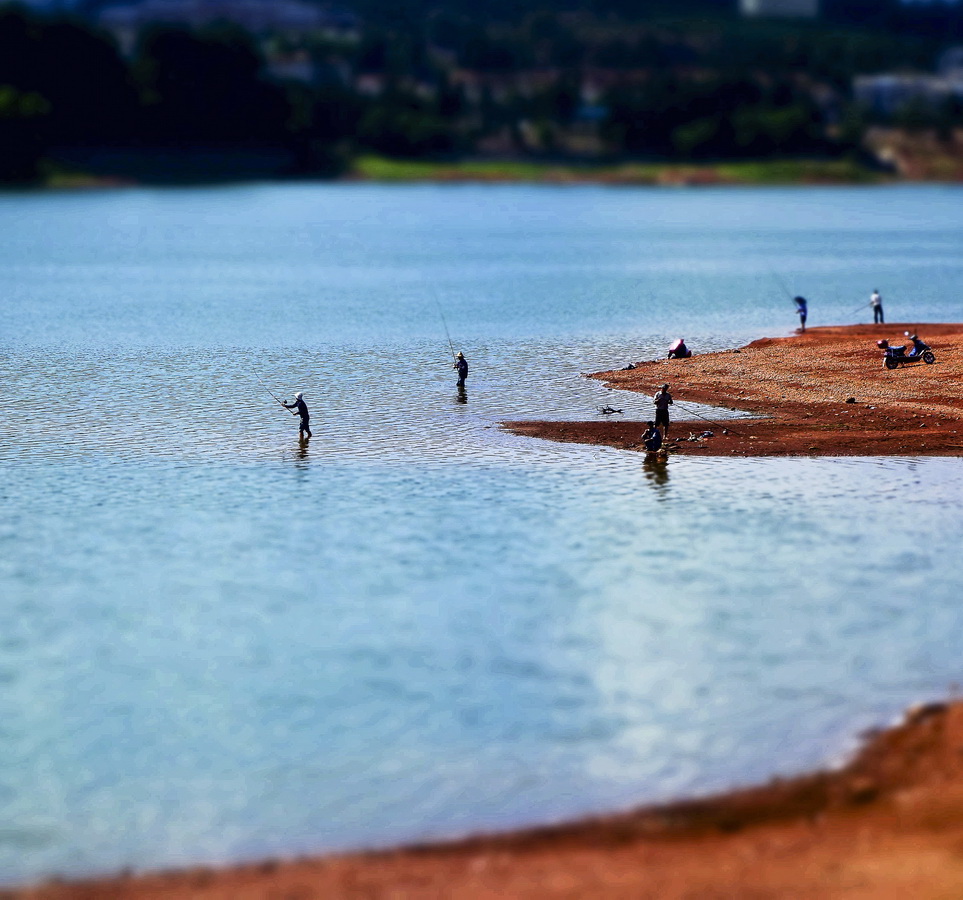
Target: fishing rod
[275, 396]
[451, 346]
[688, 408]
[784, 286]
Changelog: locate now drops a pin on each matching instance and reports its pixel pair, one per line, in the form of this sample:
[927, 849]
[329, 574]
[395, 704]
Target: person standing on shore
[461, 364]
[801, 308]
[302, 408]
[662, 401]
[877, 303]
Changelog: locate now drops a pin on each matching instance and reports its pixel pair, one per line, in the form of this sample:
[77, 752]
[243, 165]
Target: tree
[24, 133]
[207, 88]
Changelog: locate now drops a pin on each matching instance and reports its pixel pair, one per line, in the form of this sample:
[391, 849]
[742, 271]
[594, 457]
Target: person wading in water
[304, 429]
[461, 364]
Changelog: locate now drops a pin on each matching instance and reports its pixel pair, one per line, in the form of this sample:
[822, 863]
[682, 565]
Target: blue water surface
[216, 644]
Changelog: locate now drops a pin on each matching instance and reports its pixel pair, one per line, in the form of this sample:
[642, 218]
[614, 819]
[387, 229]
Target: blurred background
[181, 90]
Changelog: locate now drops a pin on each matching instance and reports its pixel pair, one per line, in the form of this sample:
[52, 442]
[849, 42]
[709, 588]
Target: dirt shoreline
[889, 824]
[822, 393]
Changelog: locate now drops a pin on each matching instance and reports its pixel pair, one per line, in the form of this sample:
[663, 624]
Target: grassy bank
[783, 171]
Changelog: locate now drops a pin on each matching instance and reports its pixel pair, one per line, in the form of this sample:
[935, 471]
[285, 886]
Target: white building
[796, 9]
[888, 94]
[256, 16]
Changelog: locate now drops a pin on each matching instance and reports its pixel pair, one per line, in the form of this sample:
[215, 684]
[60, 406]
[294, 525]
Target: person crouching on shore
[679, 350]
[662, 401]
[652, 438]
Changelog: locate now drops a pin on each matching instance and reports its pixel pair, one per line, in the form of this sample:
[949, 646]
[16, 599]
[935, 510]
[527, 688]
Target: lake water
[217, 645]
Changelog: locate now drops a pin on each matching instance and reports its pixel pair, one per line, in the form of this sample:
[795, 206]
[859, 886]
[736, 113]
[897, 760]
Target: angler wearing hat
[305, 427]
[461, 364]
[662, 401]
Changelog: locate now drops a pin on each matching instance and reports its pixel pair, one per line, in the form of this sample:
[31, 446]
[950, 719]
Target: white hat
[298, 395]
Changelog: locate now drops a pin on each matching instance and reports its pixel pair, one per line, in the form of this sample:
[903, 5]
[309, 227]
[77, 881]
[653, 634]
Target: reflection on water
[657, 472]
[217, 642]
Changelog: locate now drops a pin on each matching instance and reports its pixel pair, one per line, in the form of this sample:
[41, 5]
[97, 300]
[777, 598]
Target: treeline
[583, 84]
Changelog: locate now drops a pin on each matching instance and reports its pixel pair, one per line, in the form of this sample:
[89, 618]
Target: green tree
[24, 133]
[206, 87]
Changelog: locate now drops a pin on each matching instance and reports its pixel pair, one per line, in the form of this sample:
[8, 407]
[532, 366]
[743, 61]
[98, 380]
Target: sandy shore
[822, 393]
[887, 825]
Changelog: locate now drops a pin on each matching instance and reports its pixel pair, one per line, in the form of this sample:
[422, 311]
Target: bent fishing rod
[275, 396]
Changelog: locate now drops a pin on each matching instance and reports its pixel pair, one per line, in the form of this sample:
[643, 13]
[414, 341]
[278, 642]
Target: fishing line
[451, 346]
[688, 408]
[783, 285]
[275, 396]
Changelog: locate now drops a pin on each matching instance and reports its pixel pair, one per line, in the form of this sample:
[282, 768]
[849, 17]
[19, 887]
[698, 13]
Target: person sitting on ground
[679, 350]
[662, 401]
[652, 438]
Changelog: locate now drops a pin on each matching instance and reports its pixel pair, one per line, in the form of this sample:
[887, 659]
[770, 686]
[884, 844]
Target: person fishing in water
[302, 409]
[801, 309]
[461, 364]
[662, 401]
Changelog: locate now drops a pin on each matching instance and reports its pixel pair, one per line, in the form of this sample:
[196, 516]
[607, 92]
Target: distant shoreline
[371, 169]
[822, 393]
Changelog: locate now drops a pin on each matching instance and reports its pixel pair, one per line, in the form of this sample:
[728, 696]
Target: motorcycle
[897, 356]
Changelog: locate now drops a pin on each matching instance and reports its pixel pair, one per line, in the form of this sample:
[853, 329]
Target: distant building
[255, 16]
[887, 94]
[797, 9]
[950, 63]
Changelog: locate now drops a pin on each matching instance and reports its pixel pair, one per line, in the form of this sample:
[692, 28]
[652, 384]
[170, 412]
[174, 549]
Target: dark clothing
[877, 303]
[662, 401]
[302, 408]
[462, 366]
[801, 309]
[652, 438]
[679, 351]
